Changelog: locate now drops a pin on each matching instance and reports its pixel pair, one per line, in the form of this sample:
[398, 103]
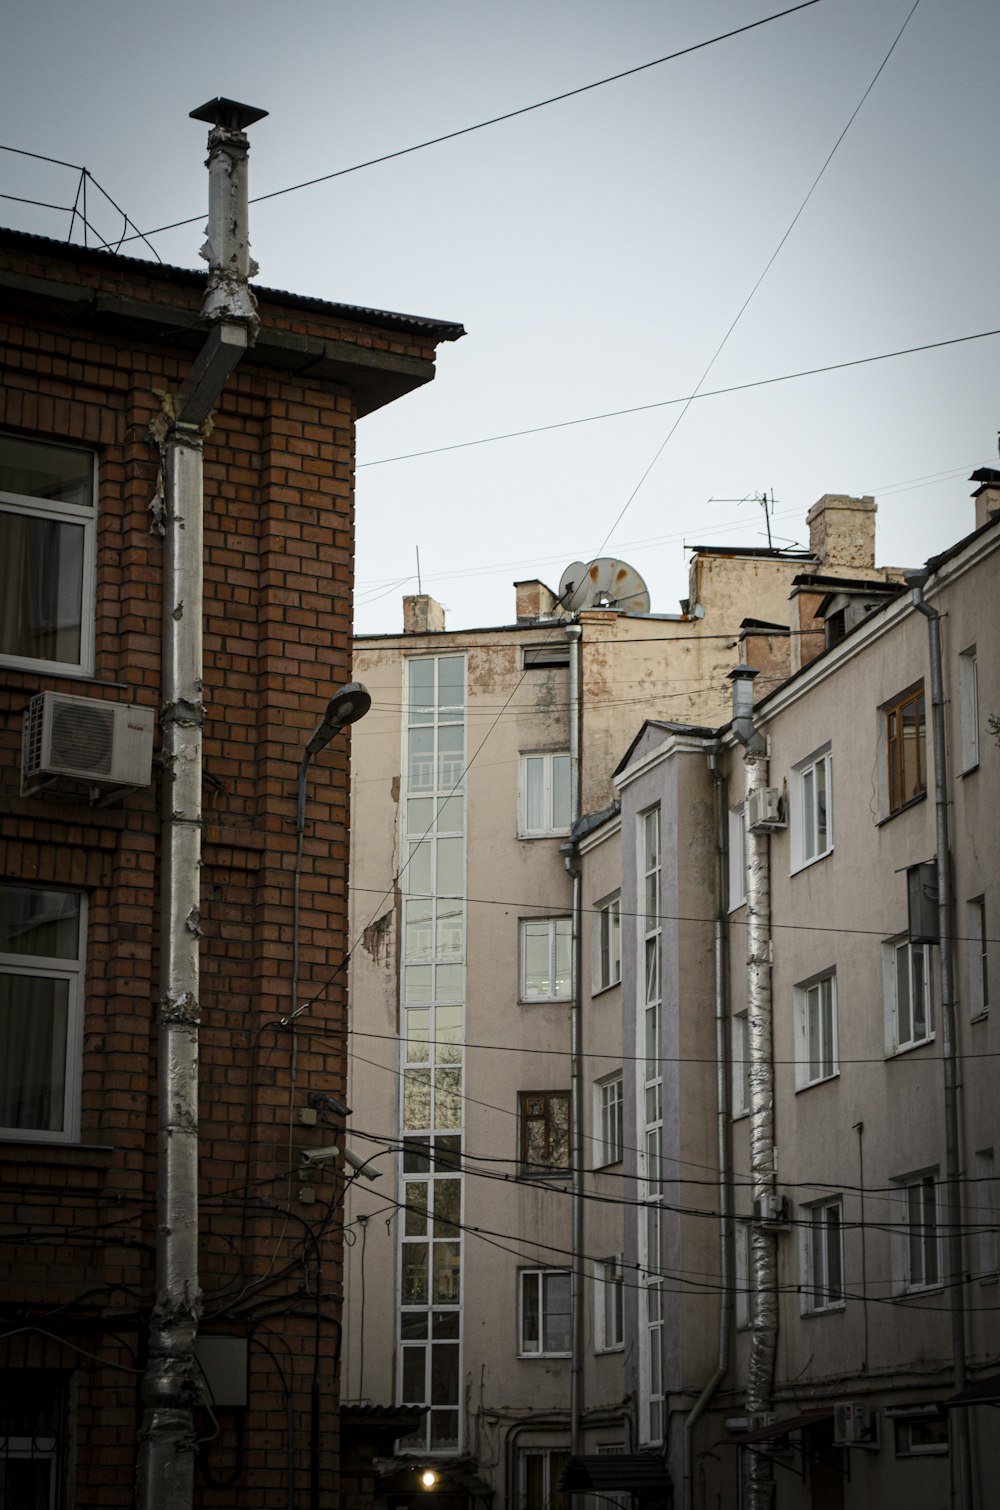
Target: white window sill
[546, 833]
[810, 1085]
[835, 1308]
[908, 1048]
[813, 860]
[602, 990]
[614, 1347]
[917, 1292]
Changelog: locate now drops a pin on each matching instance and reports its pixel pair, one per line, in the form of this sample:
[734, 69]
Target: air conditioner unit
[855, 1424]
[772, 1210]
[765, 810]
[85, 739]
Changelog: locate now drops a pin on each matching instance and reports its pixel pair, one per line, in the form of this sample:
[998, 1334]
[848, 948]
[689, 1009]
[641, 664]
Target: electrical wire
[508, 115]
[686, 399]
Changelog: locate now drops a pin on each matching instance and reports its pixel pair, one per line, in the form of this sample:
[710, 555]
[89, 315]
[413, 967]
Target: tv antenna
[766, 502]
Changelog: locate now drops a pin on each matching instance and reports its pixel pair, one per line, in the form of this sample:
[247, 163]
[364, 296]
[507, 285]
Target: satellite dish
[603, 583]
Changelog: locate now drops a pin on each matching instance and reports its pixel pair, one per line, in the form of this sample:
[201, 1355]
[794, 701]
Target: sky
[597, 251]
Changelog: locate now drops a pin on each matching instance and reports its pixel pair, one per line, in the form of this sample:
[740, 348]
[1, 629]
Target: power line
[508, 115]
[686, 399]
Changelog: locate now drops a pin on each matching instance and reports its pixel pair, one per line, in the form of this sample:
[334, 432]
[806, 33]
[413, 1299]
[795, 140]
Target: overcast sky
[597, 251]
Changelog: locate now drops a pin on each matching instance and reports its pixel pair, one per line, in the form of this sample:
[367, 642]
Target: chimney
[422, 615]
[987, 495]
[534, 601]
[842, 532]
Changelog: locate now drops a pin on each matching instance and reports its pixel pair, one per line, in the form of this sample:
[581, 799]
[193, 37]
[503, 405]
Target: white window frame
[808, 778]
[72, 971]
[737, 857]
[609, 1305]
[898, 1042]
[548, 827]
[987, 1216]
[816, 1056]
[968, 698]
[536, 1278]
[609, 1112]
[977, 944]
[915, 1242]
[557, 928]
[553, 1460]
[27, 505]
[822, 1257]
[740, 1055]
[608, 943]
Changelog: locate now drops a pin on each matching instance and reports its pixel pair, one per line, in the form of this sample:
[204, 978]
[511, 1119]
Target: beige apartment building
[810, 1243]
[504, 1281]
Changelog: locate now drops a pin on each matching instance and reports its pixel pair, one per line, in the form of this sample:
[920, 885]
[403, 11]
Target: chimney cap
[229, 114]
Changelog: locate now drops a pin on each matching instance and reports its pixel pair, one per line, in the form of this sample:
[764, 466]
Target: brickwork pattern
[78, 1222]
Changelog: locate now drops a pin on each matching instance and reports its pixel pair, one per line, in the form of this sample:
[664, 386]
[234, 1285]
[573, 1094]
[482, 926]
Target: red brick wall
[78, 1222]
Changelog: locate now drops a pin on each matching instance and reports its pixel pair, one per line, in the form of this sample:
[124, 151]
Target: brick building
[92, 343]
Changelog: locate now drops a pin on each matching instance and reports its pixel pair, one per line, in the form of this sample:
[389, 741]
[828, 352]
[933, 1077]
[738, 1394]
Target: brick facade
[87, 365]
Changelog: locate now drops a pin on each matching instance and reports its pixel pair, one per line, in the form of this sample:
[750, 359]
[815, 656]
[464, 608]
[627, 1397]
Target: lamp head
[346, 706]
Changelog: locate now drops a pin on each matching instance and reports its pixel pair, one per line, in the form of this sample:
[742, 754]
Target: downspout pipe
[760, 1034]
[946, 936]
[723, 1134]
[569, 851]
[167, 1440]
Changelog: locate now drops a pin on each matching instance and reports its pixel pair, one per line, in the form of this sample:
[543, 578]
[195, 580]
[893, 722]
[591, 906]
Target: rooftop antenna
[420, 587]
[766, 503]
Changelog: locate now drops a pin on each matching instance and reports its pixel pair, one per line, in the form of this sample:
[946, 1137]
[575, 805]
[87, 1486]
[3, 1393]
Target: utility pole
[167, 1441]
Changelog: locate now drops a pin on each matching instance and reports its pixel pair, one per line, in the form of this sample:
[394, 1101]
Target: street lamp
[345, 707]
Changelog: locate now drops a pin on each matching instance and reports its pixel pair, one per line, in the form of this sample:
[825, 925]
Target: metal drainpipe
[167, 1443]
[946, 932]
[722, 1084]
[763, 1241]
[576, 1392]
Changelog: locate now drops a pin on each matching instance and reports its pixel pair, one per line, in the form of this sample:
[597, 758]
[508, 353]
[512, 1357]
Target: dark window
[906, 734]
[544, 1131]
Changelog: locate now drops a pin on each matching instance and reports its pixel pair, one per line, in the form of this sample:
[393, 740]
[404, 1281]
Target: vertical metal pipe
[763, 1241]
[949, 1047]
[577, 1278]
[167, 1444]
[165, 1470]
[722, 1092]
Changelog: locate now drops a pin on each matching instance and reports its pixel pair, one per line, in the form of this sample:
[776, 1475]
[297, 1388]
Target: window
[744, 1289]
[922, 1433]
[544, 1121]
[968, 699]
[909, 994]
[976, 939]
[812, 809]
[816, 1031]
[41, 1006]
[609, 1294]
[47, 542]
[823, 1257]
[906, 747]
[609, 941]
[544, 657]
[609, 1104]
[916, 1234]
[545, 795]
[741, 1064]
[33, 1437]
[540, 1471]
[737, 857]
[986, 1217]
[546, 959]
[545, 1313]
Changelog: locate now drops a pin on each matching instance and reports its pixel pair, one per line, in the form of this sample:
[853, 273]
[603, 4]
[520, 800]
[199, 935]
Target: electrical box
[772, 1210]
[222, 1370]
[765, 810]
[86, 739]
